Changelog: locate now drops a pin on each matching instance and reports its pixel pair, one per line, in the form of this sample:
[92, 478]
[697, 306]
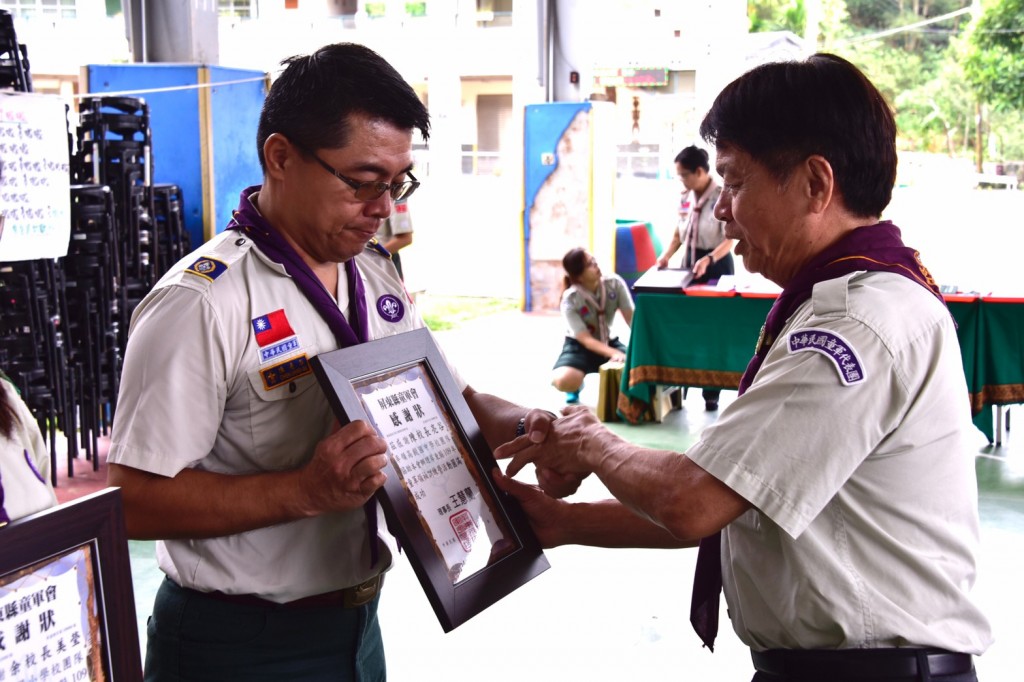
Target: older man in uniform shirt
[836, 498]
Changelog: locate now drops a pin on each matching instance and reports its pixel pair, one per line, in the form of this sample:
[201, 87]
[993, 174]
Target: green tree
[995, 62]
[937, 77]
[777, 15]
[872, 16]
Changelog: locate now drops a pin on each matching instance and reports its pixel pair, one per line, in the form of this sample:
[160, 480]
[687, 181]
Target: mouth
[364, 233]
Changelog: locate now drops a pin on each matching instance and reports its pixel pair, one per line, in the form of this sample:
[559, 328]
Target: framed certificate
[468, 542]
[67, 610]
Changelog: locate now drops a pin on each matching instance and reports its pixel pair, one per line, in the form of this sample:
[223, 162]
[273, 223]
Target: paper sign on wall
[35, 181]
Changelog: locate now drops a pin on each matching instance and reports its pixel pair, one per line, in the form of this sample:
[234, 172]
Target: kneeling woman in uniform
[588, 306]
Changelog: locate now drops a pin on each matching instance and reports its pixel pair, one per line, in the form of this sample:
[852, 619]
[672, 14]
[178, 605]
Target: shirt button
[292, 387]
[239, 241]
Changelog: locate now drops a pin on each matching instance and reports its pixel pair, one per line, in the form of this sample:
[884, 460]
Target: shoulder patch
[207, 268]
[376, 246]
[832, 346]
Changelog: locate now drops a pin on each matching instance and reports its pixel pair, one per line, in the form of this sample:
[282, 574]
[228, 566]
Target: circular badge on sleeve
[390, 308]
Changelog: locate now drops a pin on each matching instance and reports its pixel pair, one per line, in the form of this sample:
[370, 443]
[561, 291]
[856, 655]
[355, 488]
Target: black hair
[783, 112]
[692, 158]
[311, 100]
[574, 262]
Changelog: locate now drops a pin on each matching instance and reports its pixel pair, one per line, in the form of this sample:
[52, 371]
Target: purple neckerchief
[249, 220]
[277, 248]
[877, 248]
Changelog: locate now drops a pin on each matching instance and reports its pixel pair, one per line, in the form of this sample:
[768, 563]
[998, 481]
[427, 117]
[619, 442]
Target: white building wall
[449, 60]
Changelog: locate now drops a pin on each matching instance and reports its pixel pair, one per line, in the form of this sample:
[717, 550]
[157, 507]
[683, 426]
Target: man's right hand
[542, 510]
[346, 469]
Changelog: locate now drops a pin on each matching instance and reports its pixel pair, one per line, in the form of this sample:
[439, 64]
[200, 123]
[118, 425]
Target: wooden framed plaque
[67, 609]
[469, 543]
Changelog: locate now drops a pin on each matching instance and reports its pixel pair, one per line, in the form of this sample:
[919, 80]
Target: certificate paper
[439, 477]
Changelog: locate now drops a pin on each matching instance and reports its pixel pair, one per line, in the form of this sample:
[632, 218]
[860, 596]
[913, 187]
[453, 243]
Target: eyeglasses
[369, 191]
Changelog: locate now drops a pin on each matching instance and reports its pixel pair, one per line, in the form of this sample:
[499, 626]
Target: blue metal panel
[545, 124]
[174, 123]
[235, 112]
[543, 127]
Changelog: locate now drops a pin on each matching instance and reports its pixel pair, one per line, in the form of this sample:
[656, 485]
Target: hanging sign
[35, 179]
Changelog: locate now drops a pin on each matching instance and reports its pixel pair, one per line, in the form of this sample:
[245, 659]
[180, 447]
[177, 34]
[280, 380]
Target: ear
[820, 183]
[277, 152]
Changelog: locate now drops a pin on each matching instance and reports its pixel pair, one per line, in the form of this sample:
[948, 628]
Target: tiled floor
[622, 614]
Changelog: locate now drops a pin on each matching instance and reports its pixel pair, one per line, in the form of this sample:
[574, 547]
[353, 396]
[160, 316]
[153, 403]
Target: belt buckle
[363, 593]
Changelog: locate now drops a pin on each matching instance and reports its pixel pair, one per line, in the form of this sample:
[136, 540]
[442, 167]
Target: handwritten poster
[35, 179]
[439, 477]
[48, 622]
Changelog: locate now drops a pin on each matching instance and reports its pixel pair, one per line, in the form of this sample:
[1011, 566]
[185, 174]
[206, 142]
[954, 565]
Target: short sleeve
[173, 384]
[623, 296]
[570, 312]
[794, 438]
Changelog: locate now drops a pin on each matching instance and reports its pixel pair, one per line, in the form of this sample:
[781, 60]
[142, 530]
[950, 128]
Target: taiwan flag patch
[271, 328]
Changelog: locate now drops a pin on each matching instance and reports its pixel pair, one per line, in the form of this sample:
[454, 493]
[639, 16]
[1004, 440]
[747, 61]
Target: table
[706, 341]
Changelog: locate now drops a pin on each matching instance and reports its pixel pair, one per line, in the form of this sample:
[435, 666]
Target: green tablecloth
[707, 341]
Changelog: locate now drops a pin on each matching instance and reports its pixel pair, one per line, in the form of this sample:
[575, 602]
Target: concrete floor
[618, 615]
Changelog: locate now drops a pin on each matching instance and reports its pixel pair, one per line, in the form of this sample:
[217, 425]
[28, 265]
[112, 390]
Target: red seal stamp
[464, 527]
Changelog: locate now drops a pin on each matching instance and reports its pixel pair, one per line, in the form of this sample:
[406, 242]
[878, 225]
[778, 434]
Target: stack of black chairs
[32, 302]
[172, 238]
[14, 68]
[114, 146]
[92, 286]
[64, 322]
[32, 311]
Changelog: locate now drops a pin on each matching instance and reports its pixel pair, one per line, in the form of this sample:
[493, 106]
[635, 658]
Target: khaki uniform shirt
[710, 230]
[580, 316]
[217, 377]
[851, 445]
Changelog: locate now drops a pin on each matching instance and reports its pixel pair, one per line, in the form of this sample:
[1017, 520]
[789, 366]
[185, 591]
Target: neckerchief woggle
[598, 305]
[248, 219]
[875, 248]
[693, 224]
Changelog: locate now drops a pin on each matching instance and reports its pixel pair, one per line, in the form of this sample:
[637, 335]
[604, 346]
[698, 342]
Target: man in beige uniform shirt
[835, 500]
[223, 444]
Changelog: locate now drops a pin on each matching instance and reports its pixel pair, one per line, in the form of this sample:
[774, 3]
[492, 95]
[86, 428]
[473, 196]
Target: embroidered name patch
[207, 268]
[284, 372]
[279, 349]
[390, 308]
[832, 346]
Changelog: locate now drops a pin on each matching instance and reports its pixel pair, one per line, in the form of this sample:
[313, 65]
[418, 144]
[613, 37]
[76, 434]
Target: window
[47, 9]
[491, 13]
[239, 9]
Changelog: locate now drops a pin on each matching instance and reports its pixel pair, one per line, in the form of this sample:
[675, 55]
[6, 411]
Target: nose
[380, 207]
[723, 208]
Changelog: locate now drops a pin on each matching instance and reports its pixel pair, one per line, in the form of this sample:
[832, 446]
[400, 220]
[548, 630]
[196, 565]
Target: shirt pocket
[288, 413]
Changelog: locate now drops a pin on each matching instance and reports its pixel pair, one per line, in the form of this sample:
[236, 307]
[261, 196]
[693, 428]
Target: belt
[348, 598]
[852, 664]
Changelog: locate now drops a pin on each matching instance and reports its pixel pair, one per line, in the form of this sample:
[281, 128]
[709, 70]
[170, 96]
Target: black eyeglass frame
[373, 189]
